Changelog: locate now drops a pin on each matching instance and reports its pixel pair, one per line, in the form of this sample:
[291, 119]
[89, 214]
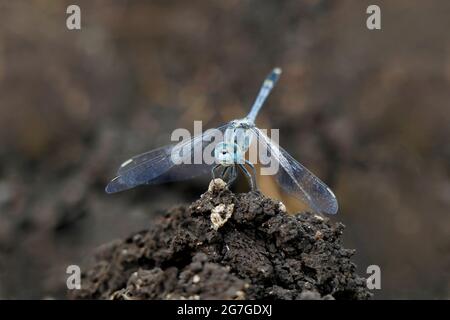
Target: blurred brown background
[367, 111]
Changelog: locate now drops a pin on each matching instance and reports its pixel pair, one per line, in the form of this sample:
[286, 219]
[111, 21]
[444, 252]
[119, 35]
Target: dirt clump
[204, 252]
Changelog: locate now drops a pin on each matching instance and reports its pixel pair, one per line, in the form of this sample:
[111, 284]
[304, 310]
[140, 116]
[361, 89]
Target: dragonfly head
[228, 154]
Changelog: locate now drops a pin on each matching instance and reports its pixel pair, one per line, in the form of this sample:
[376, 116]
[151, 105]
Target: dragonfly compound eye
[227, 153]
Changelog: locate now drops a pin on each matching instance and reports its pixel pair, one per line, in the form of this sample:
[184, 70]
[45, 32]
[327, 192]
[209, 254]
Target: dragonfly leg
[225, 173]
[229, 174]
[233, 176]
[255, 184]
[249, 176]
[213, 171]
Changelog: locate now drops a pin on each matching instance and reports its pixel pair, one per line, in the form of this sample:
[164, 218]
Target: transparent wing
[295, 179]
[156, 166]
[141, 168]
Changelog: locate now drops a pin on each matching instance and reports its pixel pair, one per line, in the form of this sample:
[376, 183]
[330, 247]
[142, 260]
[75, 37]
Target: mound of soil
[227, 246]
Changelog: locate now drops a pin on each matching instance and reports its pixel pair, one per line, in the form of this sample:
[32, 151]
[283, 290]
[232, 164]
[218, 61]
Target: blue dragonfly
[228, 151]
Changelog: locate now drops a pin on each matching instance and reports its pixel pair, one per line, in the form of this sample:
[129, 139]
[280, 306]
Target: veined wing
[295, 179]
[141, 168]
[156, 166]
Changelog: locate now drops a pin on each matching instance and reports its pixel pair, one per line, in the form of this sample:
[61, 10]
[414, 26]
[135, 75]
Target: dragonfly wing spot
[126, 163]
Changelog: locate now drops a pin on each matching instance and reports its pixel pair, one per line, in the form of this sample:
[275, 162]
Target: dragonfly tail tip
[277, 71]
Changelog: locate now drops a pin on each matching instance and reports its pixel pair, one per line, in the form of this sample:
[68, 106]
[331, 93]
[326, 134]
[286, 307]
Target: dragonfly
[160, 165]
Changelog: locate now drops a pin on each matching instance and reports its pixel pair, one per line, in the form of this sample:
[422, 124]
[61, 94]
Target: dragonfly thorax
[236, 142]
[240, 133]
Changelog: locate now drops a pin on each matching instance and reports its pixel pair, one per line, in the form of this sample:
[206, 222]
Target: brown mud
[227, 246]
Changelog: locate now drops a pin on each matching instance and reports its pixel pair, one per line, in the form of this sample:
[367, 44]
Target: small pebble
[196, 279]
